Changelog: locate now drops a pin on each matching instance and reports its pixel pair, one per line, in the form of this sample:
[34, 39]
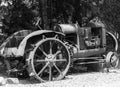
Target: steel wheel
[50, 60]
[112, 60]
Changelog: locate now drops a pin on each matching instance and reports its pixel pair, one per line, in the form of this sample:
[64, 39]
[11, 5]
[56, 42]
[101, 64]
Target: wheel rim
[50, 60]
[112, 60]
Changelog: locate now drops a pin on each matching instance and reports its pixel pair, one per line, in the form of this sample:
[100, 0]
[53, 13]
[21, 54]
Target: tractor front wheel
[112, 60]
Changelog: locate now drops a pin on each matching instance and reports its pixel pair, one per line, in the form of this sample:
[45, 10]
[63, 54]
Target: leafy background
[14, 12]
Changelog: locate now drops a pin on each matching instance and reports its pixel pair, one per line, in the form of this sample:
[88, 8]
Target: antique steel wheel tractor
[63, 40]
[47, 55]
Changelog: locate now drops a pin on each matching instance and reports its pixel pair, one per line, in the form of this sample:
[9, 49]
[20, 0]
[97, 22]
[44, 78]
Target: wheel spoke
[50, 73]
[61, 60]
[43, 68]
[59, 47]
[50, 47]
[37, 56]
[58, 69]
[43, 52]
[58, 52]
[37, 64]
[38, 60]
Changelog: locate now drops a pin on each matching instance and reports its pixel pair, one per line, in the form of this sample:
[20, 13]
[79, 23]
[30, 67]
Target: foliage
[19, 15]
[111, 14]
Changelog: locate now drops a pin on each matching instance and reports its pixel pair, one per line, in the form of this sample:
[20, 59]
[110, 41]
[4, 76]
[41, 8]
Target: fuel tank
[66, 28]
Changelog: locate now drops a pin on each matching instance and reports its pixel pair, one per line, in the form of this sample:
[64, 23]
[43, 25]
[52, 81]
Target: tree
[111, 14]
[20, 15]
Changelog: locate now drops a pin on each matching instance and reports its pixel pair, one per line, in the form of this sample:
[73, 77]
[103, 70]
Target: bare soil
[77, 79]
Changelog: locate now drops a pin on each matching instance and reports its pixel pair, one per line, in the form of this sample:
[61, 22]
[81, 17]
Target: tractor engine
[93, 42]
[92, 37]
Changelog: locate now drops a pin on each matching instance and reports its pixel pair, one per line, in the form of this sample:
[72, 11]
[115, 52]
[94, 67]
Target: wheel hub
[112, 59]
[50, 58]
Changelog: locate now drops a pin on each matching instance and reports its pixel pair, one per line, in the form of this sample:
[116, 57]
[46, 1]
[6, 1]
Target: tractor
[48, 53]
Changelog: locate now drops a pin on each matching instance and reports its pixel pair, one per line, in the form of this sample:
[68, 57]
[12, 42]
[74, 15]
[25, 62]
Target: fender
[115, 39]
[14, 34]
[21, 33]
[21, 47]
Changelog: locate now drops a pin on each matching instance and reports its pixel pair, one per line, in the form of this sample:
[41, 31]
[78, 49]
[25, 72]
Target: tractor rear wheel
[50, 60]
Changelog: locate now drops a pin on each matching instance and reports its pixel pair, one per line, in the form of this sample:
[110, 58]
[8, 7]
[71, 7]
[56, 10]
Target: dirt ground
[81, 79]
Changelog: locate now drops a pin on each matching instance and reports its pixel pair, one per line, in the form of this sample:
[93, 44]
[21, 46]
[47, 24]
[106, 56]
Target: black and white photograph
[59, 43]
